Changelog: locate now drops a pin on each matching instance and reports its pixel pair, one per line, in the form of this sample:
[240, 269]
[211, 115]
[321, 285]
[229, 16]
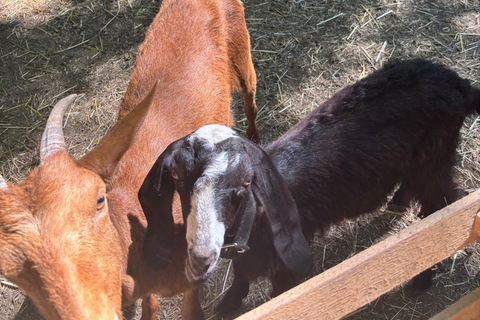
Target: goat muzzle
[197, 268]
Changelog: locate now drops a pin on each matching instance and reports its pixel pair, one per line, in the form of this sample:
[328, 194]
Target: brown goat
[71, 233]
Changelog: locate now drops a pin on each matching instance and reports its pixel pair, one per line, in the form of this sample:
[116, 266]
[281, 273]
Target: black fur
[398, 125]
[155, 197]
[268, 194]
[280, 210]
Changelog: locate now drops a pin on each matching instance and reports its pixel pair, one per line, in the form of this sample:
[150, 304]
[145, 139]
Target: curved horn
[52, 138]
[3, 183]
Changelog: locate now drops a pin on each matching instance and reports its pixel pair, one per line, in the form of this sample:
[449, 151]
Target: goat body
[399, 125]
[71, 234]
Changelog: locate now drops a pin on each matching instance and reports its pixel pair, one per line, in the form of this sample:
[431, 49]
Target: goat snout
[198, 264]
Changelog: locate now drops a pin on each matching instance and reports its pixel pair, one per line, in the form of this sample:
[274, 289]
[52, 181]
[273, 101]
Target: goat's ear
[156, 196]
[281, 211]
[104, 158]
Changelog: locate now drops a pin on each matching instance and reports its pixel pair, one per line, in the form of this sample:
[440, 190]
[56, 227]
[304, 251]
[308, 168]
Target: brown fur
[74, 259]
[50, 233]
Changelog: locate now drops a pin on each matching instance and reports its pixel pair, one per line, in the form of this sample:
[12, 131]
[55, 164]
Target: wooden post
[467, 308]
[378, 269]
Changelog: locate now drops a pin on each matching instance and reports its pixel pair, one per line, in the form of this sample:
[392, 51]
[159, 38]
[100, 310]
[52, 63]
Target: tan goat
[71, 233]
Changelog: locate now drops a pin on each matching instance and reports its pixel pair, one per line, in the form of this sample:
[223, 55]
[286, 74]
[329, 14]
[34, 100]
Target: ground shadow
[303, 52]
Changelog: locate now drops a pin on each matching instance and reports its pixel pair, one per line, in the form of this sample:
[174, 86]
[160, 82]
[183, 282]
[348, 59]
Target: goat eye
[174, 175]
[100, 202]
[247, 182]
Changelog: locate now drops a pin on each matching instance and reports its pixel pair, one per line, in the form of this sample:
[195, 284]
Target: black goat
[399, 125]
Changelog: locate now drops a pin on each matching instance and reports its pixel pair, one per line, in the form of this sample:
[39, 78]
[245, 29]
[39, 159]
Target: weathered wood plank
[378, 269]
[467, 308]
[476, 227]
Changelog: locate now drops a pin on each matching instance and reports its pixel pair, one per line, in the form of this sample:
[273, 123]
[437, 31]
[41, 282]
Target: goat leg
[191, 306]
[251, 113]
[150, 307]
[283, 281]
[130, 294]
[234, 296]
[421, 282]
[400, 200]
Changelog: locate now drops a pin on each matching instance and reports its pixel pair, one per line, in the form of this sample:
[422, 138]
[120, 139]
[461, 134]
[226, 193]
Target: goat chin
[192, 277]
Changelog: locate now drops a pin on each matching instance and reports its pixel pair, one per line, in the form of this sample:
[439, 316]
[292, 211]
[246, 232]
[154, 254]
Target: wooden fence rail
[380, 268]
[467, 308]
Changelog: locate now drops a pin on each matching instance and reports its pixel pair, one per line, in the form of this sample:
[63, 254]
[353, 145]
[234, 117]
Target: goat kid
[71, 233]
[399, 125]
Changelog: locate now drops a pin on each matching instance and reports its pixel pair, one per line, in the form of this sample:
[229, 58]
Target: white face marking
[213, 134]
[205, 233]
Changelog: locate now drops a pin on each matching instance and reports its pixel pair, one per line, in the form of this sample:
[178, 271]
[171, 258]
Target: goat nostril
[200, 262]
[205, 268]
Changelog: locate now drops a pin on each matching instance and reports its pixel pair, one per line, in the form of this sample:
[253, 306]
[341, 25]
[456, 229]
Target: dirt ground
[303, 52]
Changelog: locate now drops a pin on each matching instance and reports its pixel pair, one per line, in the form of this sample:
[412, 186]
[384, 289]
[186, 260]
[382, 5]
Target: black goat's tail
[475, 106]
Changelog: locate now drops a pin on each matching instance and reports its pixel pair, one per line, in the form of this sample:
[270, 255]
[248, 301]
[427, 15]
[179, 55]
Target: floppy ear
[156, 196]
[244, 220]
[281, 211]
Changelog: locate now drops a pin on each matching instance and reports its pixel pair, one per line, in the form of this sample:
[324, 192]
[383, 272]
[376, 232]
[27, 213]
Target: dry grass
[303, 51]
